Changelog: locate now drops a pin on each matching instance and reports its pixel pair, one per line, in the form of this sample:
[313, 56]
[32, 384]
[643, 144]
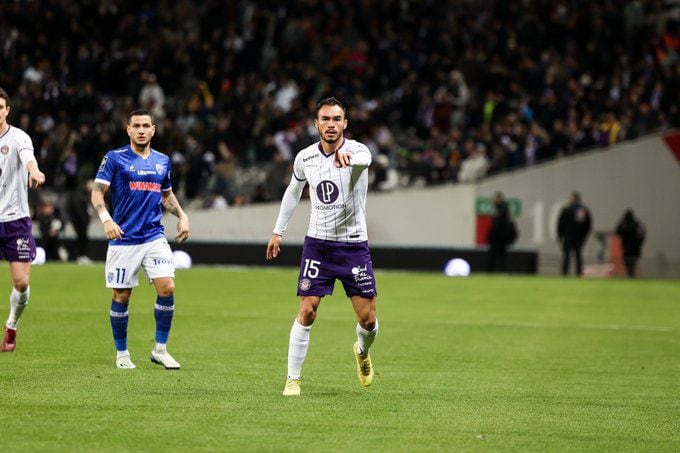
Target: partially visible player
[336, 246]
[139, 179]
[18, 171]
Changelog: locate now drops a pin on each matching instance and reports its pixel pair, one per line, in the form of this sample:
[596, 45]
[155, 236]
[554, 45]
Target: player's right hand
[274, 246]
[112, 230]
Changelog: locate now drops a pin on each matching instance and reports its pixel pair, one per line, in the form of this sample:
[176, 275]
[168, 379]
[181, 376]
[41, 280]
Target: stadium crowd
[440, 91]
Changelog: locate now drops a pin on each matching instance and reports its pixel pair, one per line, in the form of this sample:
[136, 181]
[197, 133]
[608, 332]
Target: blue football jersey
[136, 185]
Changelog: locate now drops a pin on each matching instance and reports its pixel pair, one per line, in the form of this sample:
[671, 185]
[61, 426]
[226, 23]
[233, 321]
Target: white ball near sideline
[457, 267]
[40, 257]
[182, 259]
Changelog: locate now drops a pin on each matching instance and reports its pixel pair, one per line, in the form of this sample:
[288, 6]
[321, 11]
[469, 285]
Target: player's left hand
[182, 229]
[342, 159]
[36, 178]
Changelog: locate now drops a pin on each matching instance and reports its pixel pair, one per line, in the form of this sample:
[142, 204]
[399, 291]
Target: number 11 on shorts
[120, 275]
[311, 269]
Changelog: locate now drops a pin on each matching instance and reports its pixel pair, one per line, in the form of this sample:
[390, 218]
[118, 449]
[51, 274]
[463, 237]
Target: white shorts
[124, 261]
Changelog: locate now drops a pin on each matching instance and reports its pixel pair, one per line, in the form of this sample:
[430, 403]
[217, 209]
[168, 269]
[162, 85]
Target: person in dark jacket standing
[502, 234]
[632, 234]
[573, 228]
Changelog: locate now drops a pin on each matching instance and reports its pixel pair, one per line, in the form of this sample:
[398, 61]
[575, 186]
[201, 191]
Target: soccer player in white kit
[18, 171]
[336, 245]
[139, 179]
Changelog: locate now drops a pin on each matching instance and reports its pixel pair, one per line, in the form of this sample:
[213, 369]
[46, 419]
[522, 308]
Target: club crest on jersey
[4, 149]
[160, 168]
[305, 284]
[327, 192]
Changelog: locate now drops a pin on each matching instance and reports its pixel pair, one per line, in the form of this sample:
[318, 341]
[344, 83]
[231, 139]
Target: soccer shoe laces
[365, 366]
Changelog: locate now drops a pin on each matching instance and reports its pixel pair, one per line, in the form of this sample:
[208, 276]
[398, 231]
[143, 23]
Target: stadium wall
[643, 175]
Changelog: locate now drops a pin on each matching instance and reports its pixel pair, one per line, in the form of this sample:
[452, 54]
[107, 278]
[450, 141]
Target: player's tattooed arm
[98, 191]
[171, 204]
[111, 228]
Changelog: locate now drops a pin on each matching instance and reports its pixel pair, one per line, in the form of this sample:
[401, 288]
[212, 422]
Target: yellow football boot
[292, 387]
[364, 367]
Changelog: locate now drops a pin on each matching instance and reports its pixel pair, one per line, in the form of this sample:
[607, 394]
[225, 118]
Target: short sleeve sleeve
[106, 169]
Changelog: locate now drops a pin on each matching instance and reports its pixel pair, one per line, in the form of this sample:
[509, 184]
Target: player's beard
[330, 141]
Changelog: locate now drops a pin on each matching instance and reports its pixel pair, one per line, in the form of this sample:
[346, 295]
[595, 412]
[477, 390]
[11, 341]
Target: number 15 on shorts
[311, 269]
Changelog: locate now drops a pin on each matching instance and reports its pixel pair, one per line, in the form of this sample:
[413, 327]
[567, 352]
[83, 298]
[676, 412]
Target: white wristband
[104, 216]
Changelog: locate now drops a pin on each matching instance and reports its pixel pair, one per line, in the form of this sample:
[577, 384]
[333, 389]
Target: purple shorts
[16, 241]
[324, 261]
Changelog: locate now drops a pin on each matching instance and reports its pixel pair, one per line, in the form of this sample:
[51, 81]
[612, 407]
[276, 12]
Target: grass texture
[500, 363]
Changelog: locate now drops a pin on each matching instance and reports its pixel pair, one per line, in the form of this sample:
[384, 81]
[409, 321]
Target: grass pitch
[481, 363]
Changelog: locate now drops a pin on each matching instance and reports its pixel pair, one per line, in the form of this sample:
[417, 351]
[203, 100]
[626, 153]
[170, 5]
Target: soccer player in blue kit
[139, 179]
[336, 245]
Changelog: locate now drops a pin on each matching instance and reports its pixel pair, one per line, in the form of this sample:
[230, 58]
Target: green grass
[483, 363]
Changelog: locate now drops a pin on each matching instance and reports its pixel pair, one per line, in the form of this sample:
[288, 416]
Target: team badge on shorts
[109, 277]
[4, 149]
[305, 284]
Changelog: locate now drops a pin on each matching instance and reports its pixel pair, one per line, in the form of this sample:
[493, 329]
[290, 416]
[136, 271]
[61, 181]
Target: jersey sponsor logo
[305, 159]
[145, 172]
[103, 164]
[4, 149]
[305, 284]
[145, 186]
[333, 207]
[327, 192]
[361, 276]
[23, 248]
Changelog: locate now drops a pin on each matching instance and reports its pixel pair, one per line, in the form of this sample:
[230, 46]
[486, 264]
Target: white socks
[299, 344]
[366, 337]
[120, 354]
[160, 347]
[17, 304]
[297, 349]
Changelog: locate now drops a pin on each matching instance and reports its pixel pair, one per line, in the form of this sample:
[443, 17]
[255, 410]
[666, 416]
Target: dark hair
[330, 101]
[4, 95]
[140, 112]
[576, 196]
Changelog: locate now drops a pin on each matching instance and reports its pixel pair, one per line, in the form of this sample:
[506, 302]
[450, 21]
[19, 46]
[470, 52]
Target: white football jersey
[338, 195]
[16, 151]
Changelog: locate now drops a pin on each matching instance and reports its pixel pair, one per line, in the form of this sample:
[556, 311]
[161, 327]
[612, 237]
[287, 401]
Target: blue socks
[119, 324]
[163, 312]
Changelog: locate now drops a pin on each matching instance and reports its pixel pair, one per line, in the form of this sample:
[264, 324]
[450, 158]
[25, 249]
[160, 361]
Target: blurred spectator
[475, 166]
[152, 97]
[632, 234]
[502, 234]
[50, 225]
[573, 227]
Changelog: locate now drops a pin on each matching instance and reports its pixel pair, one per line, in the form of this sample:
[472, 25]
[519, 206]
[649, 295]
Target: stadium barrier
[384, 257]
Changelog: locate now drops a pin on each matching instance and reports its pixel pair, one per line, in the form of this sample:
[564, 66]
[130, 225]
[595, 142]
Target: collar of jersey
[329, 155]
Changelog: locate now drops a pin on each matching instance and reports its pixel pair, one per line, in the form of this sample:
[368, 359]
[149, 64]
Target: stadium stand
[429, 83]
